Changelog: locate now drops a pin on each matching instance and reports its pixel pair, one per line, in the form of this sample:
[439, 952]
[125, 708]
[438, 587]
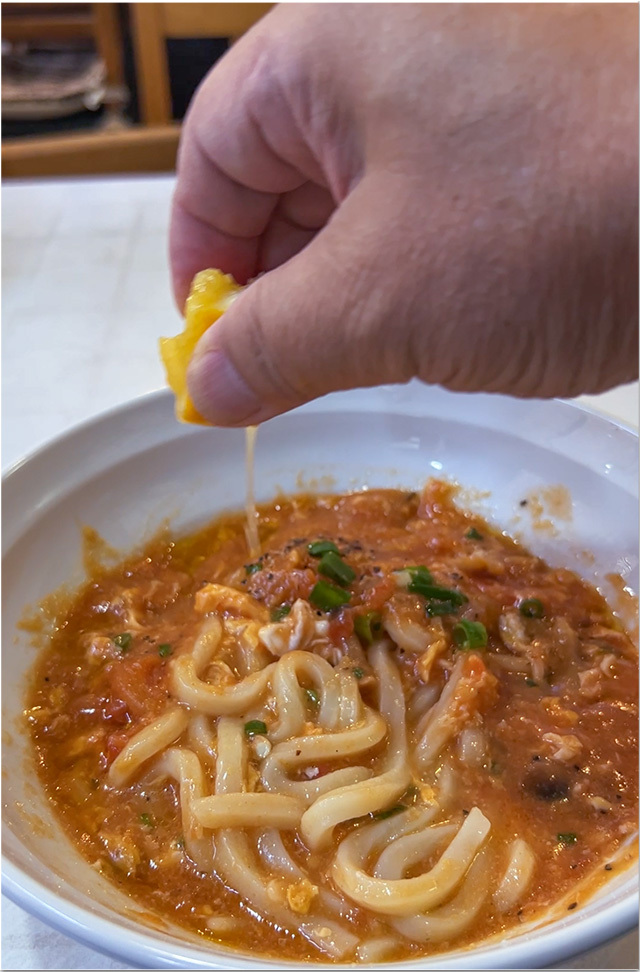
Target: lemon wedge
[211, 294]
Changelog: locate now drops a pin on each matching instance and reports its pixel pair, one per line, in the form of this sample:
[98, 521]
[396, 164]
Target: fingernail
[218, 391]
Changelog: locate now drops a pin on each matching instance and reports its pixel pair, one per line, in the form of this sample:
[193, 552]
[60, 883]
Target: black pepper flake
[269, 576]
[465, 813]
[574, 904]
[298, 751]
[536, 758]
[519, 912]
[608, 867]
[523, 502]
[576, 767]
[46, 678]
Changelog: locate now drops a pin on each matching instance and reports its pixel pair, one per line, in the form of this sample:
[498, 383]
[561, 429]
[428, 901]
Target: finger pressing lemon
[211, 294]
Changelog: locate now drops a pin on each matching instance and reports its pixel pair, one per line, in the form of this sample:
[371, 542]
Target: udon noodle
[333, 753]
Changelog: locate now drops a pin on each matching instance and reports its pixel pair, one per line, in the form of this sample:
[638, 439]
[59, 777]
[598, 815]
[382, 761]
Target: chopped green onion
[567, 838]
[531, 683]
[333, 566]
[320, 547]
[180, 841]
[433, 593]
[473, 534]
[470, 635]
[420, 581]
[531, 607]
[391, 812]
[252, 568]
[280, 612]
[256, 727]
[313, 696]
[358, 672]
[146, 819]
[437, 608]
[123, 641]
[367, 627]
[326, 597]
[165, 650]
[408, 576]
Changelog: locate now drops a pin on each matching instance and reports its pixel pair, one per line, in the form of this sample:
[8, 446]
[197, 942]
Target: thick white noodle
[517, 877]
[238, 862]
[357, 799]
[248, 810]
[189, 687]
[147, 743]
[449, 920]
[407, 896]
[184, 766]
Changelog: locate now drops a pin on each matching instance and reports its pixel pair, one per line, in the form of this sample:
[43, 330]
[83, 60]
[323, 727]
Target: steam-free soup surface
[395, 732]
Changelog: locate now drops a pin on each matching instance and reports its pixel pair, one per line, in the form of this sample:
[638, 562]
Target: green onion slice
[146, 819]
[358, 673]
[256, 727]
[569, 838]
[473, 534]
[252, 568]
[531, 607]
[165, 650]
[470, 635]
[280, 612]
[333, 566]
[320, 547]
[123, 641]
[437, 608]
[391, 812]
[313, 696]
[367, 627]
[326, 597]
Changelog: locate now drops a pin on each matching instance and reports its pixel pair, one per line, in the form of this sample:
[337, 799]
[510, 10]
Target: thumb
[321, 322]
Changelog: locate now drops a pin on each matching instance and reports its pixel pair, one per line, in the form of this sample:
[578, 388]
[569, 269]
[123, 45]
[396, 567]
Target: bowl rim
[556, 943]
[165, 394]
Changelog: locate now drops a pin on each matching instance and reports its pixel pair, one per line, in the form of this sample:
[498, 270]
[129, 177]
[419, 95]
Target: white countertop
[85, 295]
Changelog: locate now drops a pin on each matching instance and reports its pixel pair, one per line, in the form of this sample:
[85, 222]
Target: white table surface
[85, 295]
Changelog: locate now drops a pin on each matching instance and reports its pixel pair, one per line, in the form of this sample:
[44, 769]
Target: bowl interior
[128, 472]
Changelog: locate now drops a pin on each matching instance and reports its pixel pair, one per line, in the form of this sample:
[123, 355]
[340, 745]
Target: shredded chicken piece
[471, 688]
[220, 675]
[98, 648]
[591, 684]
[122, 851]
[481, 562]
[609, 638]
[128, 608]
[300, 896]
[564, 748]
[599, 803]
[300, 630]
[219, 598]
[560, 715]
[547, 645]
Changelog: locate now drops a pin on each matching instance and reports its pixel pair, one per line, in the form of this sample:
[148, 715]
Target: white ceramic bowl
[126, 472]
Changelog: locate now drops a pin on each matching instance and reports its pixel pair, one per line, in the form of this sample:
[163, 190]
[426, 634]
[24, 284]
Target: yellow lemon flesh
[211, 294]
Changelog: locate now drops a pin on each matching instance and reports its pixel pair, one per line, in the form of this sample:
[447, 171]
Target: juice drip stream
[251, 528]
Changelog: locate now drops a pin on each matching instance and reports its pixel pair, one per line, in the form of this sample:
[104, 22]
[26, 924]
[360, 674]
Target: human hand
[441, 191]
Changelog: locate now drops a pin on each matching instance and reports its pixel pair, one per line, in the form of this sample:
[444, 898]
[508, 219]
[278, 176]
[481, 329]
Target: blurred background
[101, 87]
[92, 100]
